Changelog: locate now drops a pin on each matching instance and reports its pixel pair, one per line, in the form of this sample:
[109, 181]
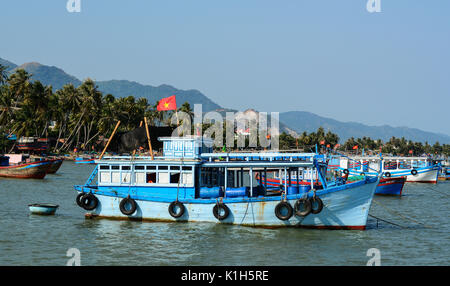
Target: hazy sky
[333, 57]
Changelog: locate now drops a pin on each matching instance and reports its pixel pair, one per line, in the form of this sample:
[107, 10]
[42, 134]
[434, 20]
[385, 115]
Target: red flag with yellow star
[167, 103]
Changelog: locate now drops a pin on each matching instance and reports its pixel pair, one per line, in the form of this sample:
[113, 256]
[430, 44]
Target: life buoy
[219, 215]
[413, 172]
[306, 206]
[387, 174]
[89, 202]
[283, 205]
[78, 199]
[172, 209]
[127, 201]
[346, 172]
[316, 205]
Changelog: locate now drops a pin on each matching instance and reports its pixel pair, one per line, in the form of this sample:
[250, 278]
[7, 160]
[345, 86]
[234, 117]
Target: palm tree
[3, 74]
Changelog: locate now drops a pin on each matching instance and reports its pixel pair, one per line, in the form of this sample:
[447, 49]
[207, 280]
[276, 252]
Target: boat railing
[263, 156]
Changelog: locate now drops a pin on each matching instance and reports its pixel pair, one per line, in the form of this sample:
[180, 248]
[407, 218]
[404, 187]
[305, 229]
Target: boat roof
[385, 158]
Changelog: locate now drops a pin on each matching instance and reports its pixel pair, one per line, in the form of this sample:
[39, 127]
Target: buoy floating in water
[43, 209]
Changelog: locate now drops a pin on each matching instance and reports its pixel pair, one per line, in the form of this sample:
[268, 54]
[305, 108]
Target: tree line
[76, 115]
[395, 146]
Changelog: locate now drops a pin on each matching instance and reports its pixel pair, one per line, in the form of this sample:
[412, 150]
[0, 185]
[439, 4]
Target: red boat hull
[34, 170]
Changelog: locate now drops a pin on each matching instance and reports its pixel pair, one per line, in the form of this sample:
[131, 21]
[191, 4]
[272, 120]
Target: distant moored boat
[26, 170]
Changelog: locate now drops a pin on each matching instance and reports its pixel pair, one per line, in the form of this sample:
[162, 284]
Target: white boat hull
[343, 209]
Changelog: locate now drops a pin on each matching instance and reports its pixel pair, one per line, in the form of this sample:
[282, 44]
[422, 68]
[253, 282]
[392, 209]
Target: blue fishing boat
[416, 169]
[84, 160]
[391, 186]
[190, 183]
[386, 186]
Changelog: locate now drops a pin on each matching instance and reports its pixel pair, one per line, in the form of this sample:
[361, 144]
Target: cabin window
[175, 168]
[210, 176]
[404, 165]
[126, 167]
[187, 178]
[139, 167]
[390, 165]
[150, 178]
[140, 178]
[150, 167]
[163, 177]
[115, 177]
[103, 167]
[187, 168]
[126, 177]
[163, 167]
[174, 178]
[105, 177]
[115, 167]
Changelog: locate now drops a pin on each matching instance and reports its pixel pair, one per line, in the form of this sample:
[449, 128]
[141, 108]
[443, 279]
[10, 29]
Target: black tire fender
[130, 201]
[387, 174]
[89, 202]
[278, 209]
[224, 208]
[413, 172]
[78, 199]
[319, 203]
[172, 209]
[307, 205]
[346, 171]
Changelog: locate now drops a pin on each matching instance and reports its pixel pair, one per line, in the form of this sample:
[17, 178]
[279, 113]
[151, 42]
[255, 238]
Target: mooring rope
[385, 221]
[402, 216]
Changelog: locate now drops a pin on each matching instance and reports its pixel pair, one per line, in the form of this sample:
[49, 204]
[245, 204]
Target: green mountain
[302, 121]
[8, 64]
[49, 75]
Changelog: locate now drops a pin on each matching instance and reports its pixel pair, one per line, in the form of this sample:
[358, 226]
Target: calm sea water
[421, 239]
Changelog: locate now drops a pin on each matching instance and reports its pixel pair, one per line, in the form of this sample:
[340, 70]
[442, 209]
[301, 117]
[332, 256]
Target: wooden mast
[109, 140]
[148, 138]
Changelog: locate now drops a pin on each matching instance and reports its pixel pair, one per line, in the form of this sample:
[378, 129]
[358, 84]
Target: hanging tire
[346, 172]
[89, 202]
[127, 201]
[216, 211]
[306, 207]
[387, 174]
[78, 199]
[363, 174]
[279, 208]
[172, 209]
[316, 205]
[413, 172]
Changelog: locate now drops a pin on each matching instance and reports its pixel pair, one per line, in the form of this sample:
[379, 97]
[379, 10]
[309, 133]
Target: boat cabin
[189, 169]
